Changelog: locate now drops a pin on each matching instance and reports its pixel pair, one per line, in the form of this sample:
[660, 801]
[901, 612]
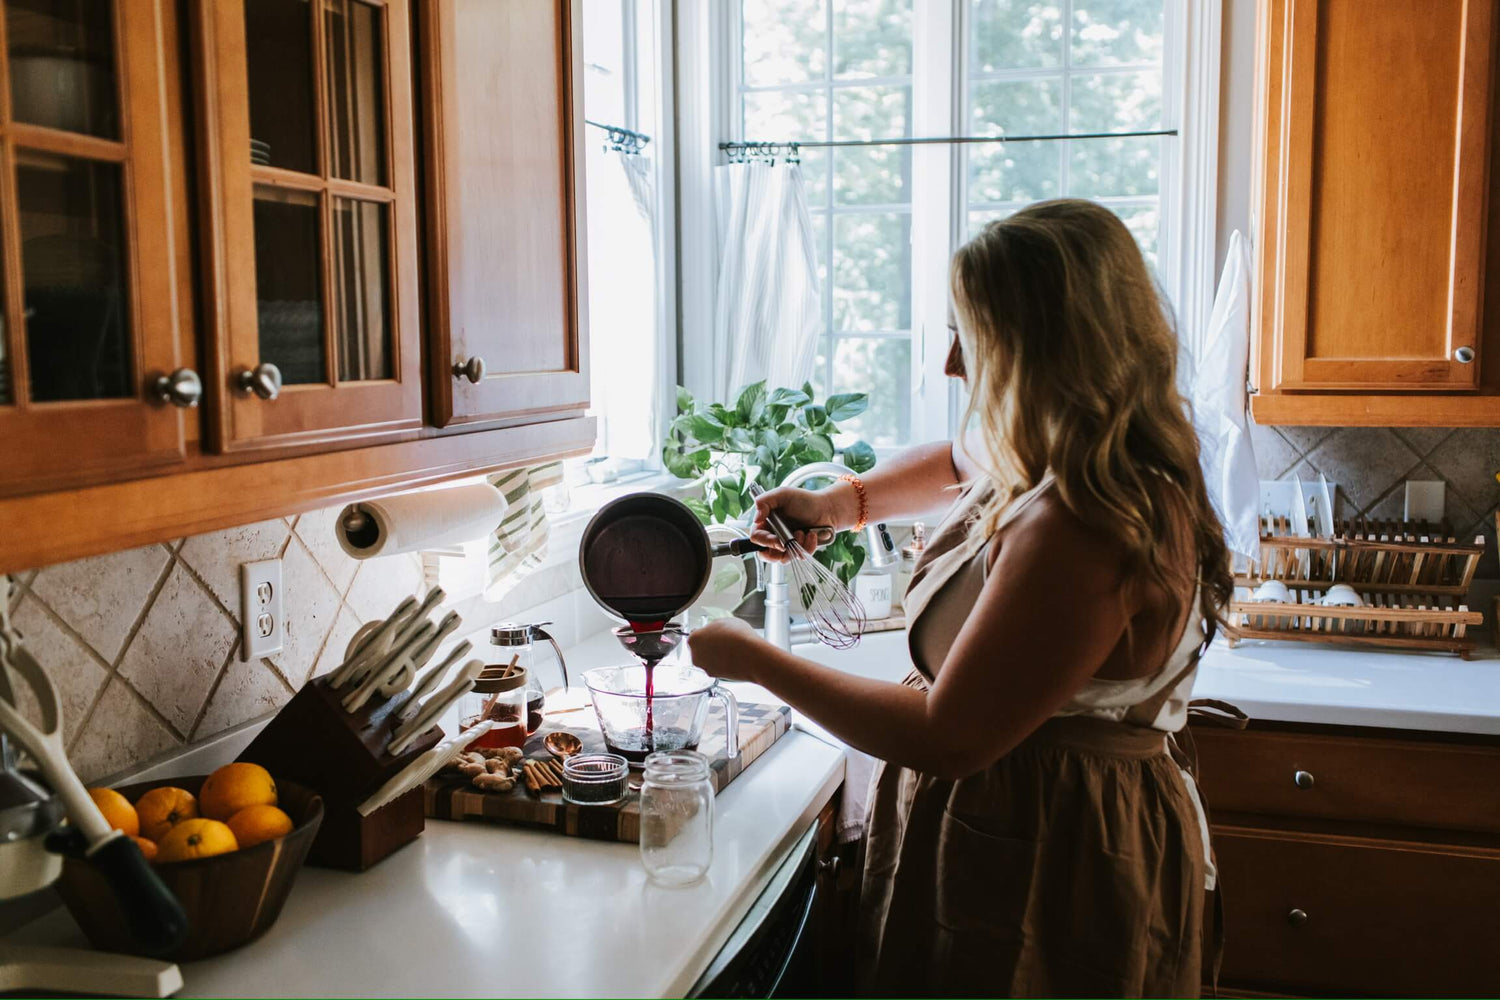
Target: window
[633, 357]
[887, 216]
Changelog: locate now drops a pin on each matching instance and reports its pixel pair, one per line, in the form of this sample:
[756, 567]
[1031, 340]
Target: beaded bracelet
[864, 503]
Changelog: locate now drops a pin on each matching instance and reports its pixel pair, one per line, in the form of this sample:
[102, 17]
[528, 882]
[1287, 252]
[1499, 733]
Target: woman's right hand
[801, 510]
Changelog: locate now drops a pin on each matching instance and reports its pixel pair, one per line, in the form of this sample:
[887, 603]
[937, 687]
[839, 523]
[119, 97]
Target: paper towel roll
[407, 522]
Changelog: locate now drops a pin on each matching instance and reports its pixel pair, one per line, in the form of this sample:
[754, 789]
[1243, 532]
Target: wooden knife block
[342, 755]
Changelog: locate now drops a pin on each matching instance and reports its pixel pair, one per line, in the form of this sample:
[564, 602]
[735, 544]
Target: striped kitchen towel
[520, 542]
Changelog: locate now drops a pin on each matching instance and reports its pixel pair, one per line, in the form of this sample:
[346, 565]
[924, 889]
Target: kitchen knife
[423, 767]
[429, 681]
[353, 664]
[418, 659]
[433, 709]
[434, 597]
[383, 670]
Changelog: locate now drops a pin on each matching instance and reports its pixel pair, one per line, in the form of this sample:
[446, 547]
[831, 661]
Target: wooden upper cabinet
[310, 236]
[1374, 177]
[91, 318]
[502, 110]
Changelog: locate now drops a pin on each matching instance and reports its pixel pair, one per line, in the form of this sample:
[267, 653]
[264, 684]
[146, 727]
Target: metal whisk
[836, 616]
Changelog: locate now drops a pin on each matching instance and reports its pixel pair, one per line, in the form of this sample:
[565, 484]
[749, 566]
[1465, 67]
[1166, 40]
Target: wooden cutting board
[452, 797]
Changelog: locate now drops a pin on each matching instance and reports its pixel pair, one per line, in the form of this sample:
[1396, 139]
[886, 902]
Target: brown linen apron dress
[1074, 865]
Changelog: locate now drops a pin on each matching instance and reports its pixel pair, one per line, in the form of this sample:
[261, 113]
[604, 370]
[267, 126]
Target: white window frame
[707, 73]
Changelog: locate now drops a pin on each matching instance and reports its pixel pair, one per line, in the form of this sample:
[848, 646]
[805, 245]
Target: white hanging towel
[768, 300]
[1216, 368]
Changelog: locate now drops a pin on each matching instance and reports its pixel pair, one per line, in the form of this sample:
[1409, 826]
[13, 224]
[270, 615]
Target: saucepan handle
[731, 719]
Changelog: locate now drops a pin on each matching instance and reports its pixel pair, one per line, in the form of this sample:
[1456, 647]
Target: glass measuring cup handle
[538, 632]
[731, 719]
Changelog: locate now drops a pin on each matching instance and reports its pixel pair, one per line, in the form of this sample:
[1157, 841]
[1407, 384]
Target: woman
[1029, 832]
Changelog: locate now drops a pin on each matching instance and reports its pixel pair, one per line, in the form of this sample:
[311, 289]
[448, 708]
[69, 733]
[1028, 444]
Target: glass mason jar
[677, 818]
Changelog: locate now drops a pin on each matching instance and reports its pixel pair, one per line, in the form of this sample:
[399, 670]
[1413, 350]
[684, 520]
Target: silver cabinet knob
[1463, 355]
[1303, 779]
[1297, 917]
[264, 380]
[181, 388]
[472, 369]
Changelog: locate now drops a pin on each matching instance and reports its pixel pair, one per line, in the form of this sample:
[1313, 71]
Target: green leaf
[814, 415]
[684, 465]
[789, 397]
[817, 448]
[807, 390]
[859, 456]
[772, 441]
[699, 508]
[718, 507]
[706, 428]
[722, 414]
[846, 405]
[740, 440]
[764, 457]
[752, 402]
[684, 400]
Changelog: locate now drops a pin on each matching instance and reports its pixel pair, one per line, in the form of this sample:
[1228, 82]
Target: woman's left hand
[729, 649]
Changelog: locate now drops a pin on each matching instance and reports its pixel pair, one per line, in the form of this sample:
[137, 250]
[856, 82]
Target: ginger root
[487, 782]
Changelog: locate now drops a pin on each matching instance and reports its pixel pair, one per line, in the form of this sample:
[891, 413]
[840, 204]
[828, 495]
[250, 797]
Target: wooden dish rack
[1413, 578]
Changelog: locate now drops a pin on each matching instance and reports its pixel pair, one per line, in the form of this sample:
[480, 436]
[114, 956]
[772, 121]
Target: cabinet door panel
[313, 235]
[502, 92]
[1379, 174]
[87, 258]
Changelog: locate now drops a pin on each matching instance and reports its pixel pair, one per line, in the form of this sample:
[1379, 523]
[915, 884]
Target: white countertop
[474, 909]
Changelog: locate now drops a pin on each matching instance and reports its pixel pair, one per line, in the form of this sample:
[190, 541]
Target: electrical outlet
[261, 603]
[1424, 500]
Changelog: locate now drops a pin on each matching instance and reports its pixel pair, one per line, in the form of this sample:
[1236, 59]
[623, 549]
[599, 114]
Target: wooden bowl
[230, 899]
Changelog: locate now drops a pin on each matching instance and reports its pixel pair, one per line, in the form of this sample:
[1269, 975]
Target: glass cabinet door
[88, 326]
[319, 238]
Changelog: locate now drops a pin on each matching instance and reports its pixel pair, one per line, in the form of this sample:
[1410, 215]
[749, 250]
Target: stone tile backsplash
[144, 644]
[1372, 464]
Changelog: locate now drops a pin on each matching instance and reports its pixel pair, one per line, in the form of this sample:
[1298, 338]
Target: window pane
[874, 174]
[361, 288]
[73, 266]
[279, 62]
[784, 41]
[1144, 222]
[881, 367]
[980, 218]
[356, 91]
[62, 65]
[1012, 34]
[786, 114]
[1014, 172]
[289, 283]
[1017, 107]
[1103, 168]
[1115, 102]
[871, 112]
[1111, 32]
[872, 37]
[815, 175]
[872, 272]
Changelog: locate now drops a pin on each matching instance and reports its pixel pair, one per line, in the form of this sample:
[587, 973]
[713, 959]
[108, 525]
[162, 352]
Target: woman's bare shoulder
[1048, 525]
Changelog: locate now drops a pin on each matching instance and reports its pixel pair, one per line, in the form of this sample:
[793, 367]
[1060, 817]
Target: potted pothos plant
[761, 438]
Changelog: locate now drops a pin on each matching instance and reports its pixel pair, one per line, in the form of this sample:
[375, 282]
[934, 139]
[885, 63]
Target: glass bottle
[519, 641]
[677, 818]
[498, 696]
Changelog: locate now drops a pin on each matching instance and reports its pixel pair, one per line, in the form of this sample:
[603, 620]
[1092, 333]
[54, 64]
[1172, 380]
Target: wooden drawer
[1381, 917]
[1351, 778]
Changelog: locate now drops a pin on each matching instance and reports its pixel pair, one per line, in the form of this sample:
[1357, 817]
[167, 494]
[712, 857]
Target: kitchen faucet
[880, 550]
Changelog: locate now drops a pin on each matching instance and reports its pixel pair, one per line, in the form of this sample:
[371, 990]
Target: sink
[880, 655]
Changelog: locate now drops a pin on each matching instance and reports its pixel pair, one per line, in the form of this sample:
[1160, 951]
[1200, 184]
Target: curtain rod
[752, 147]
[621, 139]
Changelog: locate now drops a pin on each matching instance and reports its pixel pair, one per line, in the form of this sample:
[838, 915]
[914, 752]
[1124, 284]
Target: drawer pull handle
[1297, 917]
[832, 866]
[472, 369]
[1303, 779]
[1463, 355]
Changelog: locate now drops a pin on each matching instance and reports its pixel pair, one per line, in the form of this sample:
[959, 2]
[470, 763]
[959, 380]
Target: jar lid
[511, 634]
[493, 679]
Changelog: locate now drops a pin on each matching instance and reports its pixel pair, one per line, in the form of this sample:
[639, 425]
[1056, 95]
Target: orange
[117, 810]
[148, 848]
[257, 824]
[234, 787]
[163, 808]
[196, 838]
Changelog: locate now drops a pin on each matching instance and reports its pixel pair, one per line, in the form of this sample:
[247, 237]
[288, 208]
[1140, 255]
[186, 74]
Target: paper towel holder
[360, 528]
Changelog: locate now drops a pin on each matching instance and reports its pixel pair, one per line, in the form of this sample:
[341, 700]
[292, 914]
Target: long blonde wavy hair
[1071, 358]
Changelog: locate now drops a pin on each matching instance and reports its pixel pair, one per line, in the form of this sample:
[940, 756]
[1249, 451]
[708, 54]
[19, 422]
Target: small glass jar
[499, 696]
[677, 818]
[595, 779]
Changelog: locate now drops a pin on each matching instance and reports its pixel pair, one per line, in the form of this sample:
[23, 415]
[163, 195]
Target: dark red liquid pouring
[638, 628]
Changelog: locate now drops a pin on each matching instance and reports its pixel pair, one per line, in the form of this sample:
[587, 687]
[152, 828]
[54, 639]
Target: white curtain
[625, 380]
[1213, 371]
[768, 299]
